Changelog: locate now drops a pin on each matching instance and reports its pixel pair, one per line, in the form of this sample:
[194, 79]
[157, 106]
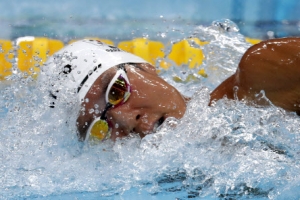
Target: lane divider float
[29, 53]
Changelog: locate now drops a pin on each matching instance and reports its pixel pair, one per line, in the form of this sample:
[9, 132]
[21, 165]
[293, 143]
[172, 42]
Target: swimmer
[126, 95]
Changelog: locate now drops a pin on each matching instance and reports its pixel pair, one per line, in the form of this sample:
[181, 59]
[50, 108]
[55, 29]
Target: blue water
[227, 151]
[119, 20]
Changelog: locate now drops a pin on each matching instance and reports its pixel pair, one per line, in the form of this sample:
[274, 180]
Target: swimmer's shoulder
[271, 62]
[273, 53]
[272, 66]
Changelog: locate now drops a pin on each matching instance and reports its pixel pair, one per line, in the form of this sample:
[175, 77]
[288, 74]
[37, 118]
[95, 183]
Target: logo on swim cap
[109, 48]
[94, 42]
[113, 49]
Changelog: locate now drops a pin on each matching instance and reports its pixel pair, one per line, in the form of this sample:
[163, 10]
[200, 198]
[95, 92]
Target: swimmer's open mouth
[159, 122]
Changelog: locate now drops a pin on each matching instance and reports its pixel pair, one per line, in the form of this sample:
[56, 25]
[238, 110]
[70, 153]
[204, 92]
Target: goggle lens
[119, 91]
[100, 130]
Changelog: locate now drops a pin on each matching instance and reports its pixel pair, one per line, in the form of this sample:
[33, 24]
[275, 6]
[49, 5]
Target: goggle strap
[107, 107]
[122, 66]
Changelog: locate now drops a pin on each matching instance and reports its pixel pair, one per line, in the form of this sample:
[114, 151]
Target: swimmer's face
[152, 100]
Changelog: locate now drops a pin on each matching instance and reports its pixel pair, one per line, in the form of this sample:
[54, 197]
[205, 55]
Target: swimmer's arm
[271, 66]
[225, 89]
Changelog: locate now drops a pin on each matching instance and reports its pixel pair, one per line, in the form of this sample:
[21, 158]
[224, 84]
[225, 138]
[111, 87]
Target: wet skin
[152, 100]
[272, 66]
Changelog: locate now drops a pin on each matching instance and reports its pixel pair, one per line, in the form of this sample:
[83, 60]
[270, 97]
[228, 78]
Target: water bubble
[145, 35]
[163, 35]
[225, 25]
[91, 111]
[271, 34]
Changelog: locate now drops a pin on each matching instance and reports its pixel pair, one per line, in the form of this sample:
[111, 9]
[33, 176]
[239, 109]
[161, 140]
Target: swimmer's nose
[121, 117]
[131, 120]
[123, 121]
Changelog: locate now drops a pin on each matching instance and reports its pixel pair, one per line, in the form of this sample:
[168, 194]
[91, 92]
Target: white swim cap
[85, 60]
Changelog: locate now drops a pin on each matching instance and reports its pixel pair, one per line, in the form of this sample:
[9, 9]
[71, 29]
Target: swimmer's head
[91, 68]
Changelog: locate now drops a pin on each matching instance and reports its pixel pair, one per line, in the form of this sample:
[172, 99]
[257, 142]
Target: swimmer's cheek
[118, 133]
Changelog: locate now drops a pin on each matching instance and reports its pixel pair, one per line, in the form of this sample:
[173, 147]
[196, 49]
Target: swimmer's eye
[118, 92]
[116, 89]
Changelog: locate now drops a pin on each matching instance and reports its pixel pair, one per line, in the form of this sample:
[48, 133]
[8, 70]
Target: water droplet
[225, 25]
[91, 110]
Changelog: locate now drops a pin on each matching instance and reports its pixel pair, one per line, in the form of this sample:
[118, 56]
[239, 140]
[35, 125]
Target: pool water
[227, 151]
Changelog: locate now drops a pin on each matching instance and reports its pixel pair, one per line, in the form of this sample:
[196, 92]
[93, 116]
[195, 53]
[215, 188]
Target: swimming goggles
[117, 93]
